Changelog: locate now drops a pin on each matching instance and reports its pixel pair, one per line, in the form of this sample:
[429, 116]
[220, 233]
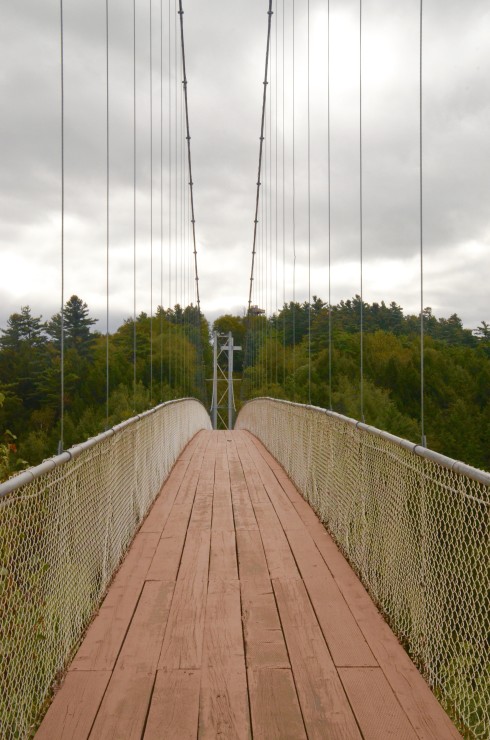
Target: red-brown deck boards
[234, 615]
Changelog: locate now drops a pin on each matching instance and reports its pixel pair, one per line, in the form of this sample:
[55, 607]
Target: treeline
[305, 352]
[278, 363]
[168, 363]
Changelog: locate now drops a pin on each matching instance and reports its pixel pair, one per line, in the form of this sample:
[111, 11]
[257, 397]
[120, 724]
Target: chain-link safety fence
[414, 525]
[64, 528]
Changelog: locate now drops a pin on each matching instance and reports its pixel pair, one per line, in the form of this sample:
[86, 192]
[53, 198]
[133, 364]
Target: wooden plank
[182, 647]
[243, 513]
[264, 641]
[123, 710]
[159, 513]
[166, 561]
[223, 639]
[251, 557]
[174, 708]
[224, 710]
[326, 710]
[274, 705]
[377, 711]
[345, 640]
[75, 706]
[105, 635]
[223, 560]
[426, 715]
[280, 560]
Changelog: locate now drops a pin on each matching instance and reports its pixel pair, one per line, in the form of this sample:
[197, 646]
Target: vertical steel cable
[294, 217]
[176, 194]
[62, 314]
[161, 201]
[330, 342]
[276, 199]
[284, 189]
[107, 212]
[422, 348]
[360, 216]
[151, 207]
[309, 214]
[134, 205]
[170, 180]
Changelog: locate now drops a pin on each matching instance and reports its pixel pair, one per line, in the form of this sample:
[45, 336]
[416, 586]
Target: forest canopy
[309, 353]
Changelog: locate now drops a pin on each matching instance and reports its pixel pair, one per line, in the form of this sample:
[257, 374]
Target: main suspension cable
[261, 147]
[188, 137]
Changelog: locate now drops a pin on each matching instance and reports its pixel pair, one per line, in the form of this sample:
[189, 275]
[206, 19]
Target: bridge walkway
[234, 615]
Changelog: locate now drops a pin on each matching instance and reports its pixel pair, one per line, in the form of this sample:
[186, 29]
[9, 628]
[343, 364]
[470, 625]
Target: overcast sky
[225, 49]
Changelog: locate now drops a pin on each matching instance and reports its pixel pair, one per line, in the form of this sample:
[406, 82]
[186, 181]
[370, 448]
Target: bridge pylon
[223, 396]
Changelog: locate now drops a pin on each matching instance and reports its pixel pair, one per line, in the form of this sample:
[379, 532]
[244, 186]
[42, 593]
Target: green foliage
[457, 370]
[170, 351]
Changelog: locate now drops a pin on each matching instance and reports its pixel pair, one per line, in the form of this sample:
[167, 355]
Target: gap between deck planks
[234, 615]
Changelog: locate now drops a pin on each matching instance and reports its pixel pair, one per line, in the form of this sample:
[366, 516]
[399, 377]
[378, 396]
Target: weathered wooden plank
[345, 640]
[377, 710]
[251, 557]
[325, 708]
[105, 635]
[75, 706]
[182, 647]
[274, 705]
[174, 708]
[223, 560]
[243, 512]
[264, 640]
[159, 513]
[426, 715]
[280, 560]
[123, 710]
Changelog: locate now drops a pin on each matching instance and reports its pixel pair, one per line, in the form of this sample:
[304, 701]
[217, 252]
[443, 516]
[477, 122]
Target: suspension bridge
[296, 574]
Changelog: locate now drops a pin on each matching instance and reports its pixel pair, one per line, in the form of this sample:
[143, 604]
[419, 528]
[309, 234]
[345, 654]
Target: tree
[77, 323]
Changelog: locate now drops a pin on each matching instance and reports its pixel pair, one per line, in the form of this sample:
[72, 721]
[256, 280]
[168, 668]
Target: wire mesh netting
[414, 525]
[62, 536]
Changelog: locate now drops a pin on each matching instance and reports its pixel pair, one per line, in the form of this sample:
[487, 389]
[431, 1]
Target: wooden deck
[233, 616]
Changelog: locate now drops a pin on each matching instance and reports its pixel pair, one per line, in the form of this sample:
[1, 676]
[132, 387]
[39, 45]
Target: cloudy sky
[225, 48]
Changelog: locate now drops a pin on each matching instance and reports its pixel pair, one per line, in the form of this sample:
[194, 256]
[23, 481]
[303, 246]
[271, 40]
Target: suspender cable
[259, 173]
[62, 334]
[276, 200]
[284, 193]
[161, 201]
[330, 343]
[294, 216]
[309, 215]
[422, 348]
[188, 137]
[151, 208]
[134, 205]
[169, 194]
[107, 212]
[360, 217]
